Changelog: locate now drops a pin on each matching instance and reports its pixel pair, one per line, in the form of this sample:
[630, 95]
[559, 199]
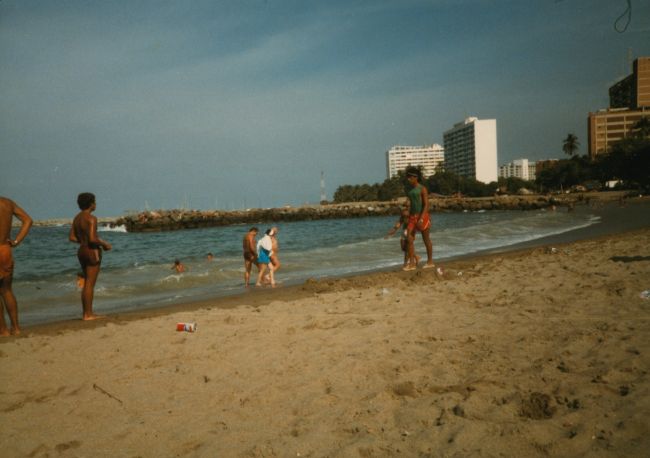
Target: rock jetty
[169, 220]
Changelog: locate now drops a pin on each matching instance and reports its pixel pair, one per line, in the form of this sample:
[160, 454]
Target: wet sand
[543, 351]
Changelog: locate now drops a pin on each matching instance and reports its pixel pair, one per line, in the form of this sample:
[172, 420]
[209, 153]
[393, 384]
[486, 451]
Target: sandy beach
[540, 352]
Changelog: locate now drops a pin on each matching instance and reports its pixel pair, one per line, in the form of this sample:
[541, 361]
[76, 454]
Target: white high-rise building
[519, 168]
[471, 149]
[428, 156]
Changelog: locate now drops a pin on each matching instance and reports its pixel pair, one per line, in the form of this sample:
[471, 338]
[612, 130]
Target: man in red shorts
[418, 218]
[9, 209]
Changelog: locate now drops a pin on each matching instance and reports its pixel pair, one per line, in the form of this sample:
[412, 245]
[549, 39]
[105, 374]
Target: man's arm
[73, 236]
[425, 201]
[93, 239]
[26, 225]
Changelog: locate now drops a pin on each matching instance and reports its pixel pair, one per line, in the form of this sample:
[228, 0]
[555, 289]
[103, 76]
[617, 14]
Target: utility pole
[323, 197]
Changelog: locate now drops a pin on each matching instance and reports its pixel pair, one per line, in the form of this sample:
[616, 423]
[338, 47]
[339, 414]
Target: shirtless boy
[84, 232]
[250, 253]
[9, 209]
[402, 226]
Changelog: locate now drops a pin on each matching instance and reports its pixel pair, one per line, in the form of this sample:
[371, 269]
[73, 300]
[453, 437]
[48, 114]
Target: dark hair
[413, 171]
[268, 231]
[85, 200]
[253, 229]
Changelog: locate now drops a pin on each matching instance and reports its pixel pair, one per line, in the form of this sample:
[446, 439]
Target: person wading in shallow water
[274, 250]
[264, 253]
[418, 219]
[84, 232]
[250, 254]
[9, 209]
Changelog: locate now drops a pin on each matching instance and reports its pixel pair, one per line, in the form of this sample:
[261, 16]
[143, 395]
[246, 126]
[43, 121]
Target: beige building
[429, 157]
[609, 126]
[629, 101]
[519, 168]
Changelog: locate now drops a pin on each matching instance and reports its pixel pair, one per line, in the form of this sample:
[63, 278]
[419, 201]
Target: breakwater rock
[168, 220]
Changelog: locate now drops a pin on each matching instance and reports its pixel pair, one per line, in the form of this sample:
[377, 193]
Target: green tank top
[415, 197]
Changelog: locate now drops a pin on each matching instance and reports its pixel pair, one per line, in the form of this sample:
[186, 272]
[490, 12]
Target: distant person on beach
[419, 221]
[250, 253]
[84, 232]
[9, 209]
[178, 267]
[264, 253]
[402, 225]
[210, 256]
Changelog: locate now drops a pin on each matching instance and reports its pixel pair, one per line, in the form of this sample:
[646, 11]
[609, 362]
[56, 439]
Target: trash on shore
[187, 327]
[645, 294]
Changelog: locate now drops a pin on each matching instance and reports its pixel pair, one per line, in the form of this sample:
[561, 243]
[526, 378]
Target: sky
[242, 104]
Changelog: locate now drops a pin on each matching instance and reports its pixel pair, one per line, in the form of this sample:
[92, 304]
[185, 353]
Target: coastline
[172, 220]
[614, 219]
[533, 352]
[181, 219]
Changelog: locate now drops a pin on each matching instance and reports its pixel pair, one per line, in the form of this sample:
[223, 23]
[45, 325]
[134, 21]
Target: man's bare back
[84, 232]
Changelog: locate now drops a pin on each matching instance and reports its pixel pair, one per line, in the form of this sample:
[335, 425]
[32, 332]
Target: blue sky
[235, 104]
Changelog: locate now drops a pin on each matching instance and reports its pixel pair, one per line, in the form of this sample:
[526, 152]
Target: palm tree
[570, 145]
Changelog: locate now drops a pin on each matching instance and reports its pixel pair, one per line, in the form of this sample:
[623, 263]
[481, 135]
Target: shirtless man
[250, 253]
[84, 232]
[9, 209]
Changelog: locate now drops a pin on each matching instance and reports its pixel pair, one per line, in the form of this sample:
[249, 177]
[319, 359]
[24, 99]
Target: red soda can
[187, 327]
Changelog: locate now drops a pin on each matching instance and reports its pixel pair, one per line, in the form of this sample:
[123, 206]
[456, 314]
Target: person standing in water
[264, 253]
[9, 209]
[250, 254]
[418, 219]
[274, 249]
[84, 232]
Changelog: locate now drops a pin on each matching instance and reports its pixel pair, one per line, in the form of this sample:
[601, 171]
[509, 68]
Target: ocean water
[137, 274]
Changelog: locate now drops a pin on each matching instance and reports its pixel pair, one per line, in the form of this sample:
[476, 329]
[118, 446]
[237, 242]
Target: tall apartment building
[519, 168]
[471, 149]
[629, 101]
[633, 91]
[428, 156]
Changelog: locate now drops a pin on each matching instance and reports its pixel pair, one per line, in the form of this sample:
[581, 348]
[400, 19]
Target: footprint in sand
[67, 446]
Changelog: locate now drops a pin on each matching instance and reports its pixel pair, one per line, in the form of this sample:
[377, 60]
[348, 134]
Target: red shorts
[6, 261]
[413, 223]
